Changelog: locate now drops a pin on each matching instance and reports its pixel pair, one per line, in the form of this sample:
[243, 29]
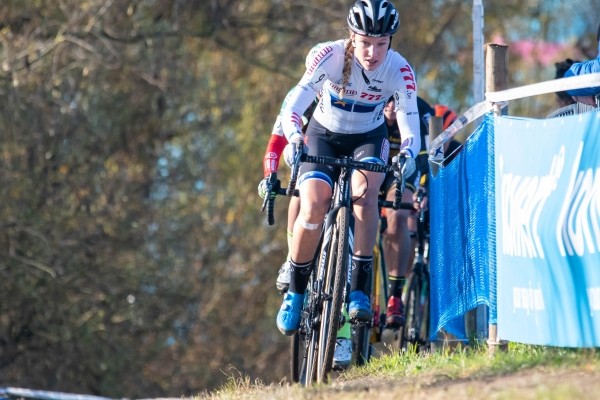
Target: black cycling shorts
[372, 146]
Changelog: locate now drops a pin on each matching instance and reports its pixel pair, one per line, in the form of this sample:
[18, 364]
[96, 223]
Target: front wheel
[338, 259]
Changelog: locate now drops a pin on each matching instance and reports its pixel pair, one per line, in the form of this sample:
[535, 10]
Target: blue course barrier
[548, 225]
[515, 225]
[462, 232]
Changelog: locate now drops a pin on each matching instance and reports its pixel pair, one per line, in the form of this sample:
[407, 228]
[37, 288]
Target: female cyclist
[355, 77]
[275, 148]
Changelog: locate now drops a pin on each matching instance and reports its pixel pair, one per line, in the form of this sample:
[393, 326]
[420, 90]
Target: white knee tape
[308, 225]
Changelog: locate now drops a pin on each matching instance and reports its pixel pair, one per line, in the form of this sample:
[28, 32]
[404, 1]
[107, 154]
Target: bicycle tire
[308, 372]
[334, 288]
[425, 321]
[379, 290]
[296, 352]
[298, 347]
[411, 302]
[308, 346]
[362, 331]
[361, 343]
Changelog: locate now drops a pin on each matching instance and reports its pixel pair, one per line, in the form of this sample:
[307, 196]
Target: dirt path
[538, 383]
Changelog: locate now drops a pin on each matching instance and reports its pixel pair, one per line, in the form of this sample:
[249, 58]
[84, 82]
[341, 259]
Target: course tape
[435, 152]
[501, 98]
[552, 86]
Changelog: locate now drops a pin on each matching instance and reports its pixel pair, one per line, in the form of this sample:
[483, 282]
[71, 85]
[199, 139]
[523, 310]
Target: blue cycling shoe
[360, 306]
[288, 318]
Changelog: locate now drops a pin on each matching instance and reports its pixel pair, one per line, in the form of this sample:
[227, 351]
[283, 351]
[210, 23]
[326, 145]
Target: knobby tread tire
[411, 303]
[335, 281]
[309, 366]
[309, 343]
[361, 343]
[425, 319]
[296, 356]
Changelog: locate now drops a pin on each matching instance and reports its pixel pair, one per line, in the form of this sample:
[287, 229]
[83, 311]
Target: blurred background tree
[134, 261]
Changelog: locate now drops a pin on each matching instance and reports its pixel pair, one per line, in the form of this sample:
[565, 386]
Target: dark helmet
[448, 115]
[373, 18]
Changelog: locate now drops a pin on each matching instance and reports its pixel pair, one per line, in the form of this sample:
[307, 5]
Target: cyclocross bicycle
[414, 334]
[416, 294]
[312, 347]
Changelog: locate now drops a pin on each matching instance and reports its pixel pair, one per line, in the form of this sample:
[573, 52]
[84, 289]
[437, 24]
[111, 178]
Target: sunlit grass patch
[423, 369]
[473, 361]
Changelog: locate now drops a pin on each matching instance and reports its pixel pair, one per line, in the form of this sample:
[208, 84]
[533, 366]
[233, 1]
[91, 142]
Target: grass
[441, 366]
[460, 363]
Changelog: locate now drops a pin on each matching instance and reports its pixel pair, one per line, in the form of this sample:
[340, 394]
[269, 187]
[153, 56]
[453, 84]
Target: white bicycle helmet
[373, 18]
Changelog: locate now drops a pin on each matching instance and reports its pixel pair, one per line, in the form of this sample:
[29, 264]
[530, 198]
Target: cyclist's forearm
[273, 154]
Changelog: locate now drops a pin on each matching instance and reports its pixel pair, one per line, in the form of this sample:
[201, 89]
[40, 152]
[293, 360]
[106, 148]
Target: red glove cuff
[273, 154]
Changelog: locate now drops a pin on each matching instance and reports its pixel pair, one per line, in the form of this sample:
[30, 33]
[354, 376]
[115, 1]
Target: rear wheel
[305, 345]
[411, 299]
[379, 290]
[361, 331]
[361, 343]
[424, 331]
[308, 374]
[297, 345]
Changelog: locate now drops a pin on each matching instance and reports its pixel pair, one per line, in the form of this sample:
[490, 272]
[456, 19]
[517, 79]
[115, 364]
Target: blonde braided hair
[347, 67]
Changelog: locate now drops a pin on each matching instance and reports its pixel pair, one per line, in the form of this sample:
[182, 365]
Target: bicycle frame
[329, 286]
[319, 356]
[322, 311]
[331, 291]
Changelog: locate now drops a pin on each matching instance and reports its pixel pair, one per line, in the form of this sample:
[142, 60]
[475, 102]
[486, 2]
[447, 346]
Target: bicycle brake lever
[298, 151]
[273, 185]
[399, 181]
[420, 196]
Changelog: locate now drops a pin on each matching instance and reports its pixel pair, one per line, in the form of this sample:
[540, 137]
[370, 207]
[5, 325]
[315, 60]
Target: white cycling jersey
[361, 108]
[277, 126]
